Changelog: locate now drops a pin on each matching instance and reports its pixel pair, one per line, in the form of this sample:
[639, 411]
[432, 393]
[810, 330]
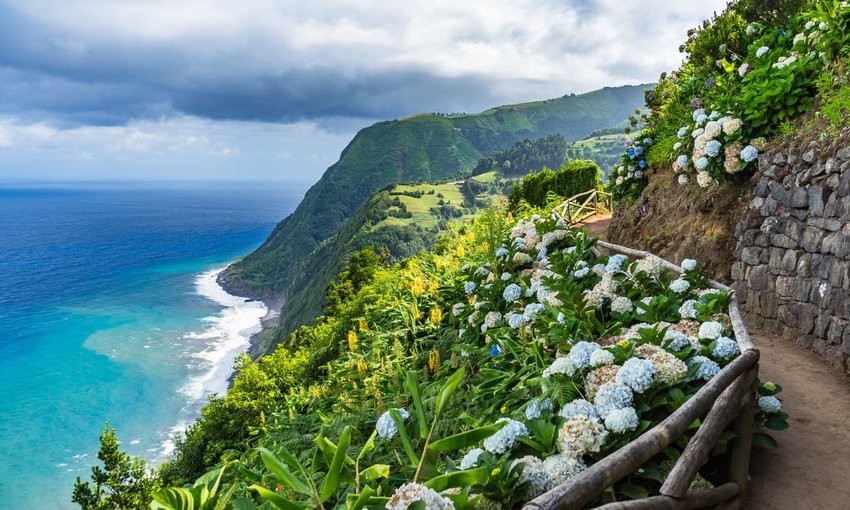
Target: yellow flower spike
[433, 360]
[362, 366]
[352, 340]
[436, 315]
[363, 325]
[417, 287]
[460, 251]
[432, 287]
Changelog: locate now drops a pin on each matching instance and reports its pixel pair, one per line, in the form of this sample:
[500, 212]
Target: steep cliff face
[678, 222]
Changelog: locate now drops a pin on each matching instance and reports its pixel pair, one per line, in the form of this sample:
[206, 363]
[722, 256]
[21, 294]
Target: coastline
[273, 305]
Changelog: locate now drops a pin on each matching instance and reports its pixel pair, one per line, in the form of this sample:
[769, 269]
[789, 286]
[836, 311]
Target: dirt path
[810, 468]
[596, 225]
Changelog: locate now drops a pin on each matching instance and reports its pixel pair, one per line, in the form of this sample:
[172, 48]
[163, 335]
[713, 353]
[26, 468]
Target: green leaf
[277, 501]
[405, 441]
[244, 504]
[776, 422]
[765, 440]
[412, 384]
[459, 479]
[464, 439]
[331, 481]
[447, 390]
[362, 499]
[374, 472]
[282, 473]
[369, 446]
[174, 498]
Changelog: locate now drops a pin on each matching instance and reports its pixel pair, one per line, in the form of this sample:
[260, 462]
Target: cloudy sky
[273, 90]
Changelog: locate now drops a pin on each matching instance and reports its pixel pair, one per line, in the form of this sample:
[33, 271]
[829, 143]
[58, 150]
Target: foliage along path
[809, 469]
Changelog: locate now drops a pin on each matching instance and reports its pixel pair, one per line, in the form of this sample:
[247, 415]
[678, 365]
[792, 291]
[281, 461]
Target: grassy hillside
[417, 148]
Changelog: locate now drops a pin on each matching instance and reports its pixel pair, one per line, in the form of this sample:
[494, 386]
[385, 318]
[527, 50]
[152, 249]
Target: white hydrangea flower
[761, 51]
[458, 309]
[622, 420]
[677, 145]
[651, 265]
[710, 330]
[713, 129]
[688, 309]
[679, 286]
[683, 179]
[563, 365]
[563, 467]
[689, 264]
[534, 474]
[412, 492]
[769, 404]
[506, 437]
[386, 426]
[621, 304]
[470, 460]
[579, 436]
[732, 125]
[704, 179]
[601, 357]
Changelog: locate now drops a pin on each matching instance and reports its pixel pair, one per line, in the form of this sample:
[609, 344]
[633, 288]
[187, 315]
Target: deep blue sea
[109, 311]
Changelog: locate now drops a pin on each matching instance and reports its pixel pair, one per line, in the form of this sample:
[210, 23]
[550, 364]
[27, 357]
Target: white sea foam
[227, 334]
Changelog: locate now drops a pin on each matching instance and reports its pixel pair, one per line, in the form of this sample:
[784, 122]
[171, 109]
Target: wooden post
[739, 465]
[700, 498]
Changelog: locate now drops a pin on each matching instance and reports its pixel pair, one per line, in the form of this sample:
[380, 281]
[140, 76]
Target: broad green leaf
[331, 481]
[174, 498]
[222, 502]
[447, 390]
[277, 501]
[464, 439]
[369, 446]
[459, 479]
[765, 441]
[362, 499]
[776, 422]
[244, 504]
[405, 441]
[374, 472]
[412, 384]
[282, 472]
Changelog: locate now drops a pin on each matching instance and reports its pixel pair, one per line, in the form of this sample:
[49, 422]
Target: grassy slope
[417, 148]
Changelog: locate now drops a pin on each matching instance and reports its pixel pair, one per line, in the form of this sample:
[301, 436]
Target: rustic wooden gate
[584, 205]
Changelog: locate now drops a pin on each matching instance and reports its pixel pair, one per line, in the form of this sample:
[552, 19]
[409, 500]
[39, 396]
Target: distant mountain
[418, 148]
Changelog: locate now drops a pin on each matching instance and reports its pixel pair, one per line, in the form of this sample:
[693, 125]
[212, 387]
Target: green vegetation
[526, 156]
[415, 149]
[571, 179]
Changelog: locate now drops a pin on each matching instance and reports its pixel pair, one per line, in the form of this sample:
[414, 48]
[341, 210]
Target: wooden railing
[584, 205]
[728, 397]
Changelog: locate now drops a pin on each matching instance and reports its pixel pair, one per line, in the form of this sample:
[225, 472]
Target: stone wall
[792, 269]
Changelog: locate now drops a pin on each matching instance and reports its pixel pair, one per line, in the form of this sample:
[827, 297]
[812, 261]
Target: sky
[274, 90]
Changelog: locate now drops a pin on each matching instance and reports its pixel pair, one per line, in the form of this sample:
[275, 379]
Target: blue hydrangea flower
[611, 396]
[631, 153]
[682, 160]
[515, 320]
[469, 287]
[710, 82]
[712, 148]
[615, 263]
[580, 353]
[531, 311]
[707, 368]
[512, 292]
[506, 276]
[386, 426]
[688, 309]
[642, 165]
[519, 243]
[495, 350]
[682, 132]
[536, 407]
[701, 163]
[562, 319]
[675, 340]
[769, 404]
[622, 420]
[470, 459]
[725, 348]
[501, 252]
[638, 151]
[648, 142]
[579, 407]
[699, 112]
[636, 373]
[581, 273]
[749, 153]
[506, 437]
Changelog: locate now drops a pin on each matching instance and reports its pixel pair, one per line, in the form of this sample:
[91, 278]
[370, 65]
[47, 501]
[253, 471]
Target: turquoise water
[109, 311]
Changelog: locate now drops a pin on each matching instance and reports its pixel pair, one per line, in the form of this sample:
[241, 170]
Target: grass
[421, 207]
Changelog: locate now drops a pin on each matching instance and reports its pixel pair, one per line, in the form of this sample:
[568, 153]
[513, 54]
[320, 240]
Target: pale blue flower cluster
[470, 459]
[482, 272]
[601, 357]
[536, 407]
[688, 309]
[512, 292]
[581, 273]
[531, 311]
[615, 263]
[469, 287]
[769, 404]
[611, 396]
[675, 340]
[579, 407]
[501, 252]
[506, 437]
[679, 286]
[698, 113]
[682, 132]
[761, 51]
[622, 420]
[749, 153]
[725, 348]
[712, 148]
[386, 426]
[682, 161]
[701, 163]
[636, 373]
[710, 330]
[689, 264]
[580, 353]
[515, 320]
[506, 276]
[707, 368]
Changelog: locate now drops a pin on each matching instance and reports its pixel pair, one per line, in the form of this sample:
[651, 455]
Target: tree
[123, 483]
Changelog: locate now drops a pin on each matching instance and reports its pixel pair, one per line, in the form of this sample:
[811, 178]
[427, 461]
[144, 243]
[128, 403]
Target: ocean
[109, 311]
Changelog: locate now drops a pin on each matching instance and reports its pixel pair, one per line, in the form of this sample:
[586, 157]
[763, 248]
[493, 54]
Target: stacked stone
[793, 270]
